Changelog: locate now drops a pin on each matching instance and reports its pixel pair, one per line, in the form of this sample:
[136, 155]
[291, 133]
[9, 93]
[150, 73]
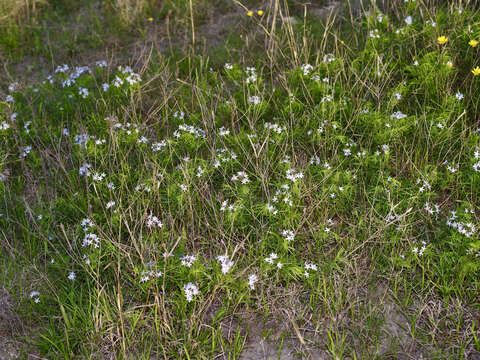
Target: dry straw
[19, 10]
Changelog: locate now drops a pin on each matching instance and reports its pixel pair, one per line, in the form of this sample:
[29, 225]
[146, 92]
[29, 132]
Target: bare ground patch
[10, 327]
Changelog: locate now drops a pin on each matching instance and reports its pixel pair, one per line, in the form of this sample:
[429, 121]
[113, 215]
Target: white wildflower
[374, 34]
[81, 139]
[241, 176]
[26, 150]
[12, 87]
[223, 132]
[307, 69]
[101, 63]
[86, 224]
[35, 296]
[91, 239]
[271, 258]
[83, 92]
[225, 262]
[293, 175]
[289, 235]
[158, 146]
[98, 177]
[191, 290]
[254, 100]
[153, 221]
[252, 279]
[142, 140]
[62, 69]
[272, 209]
[328, 58]
[398, 115]
[188, 260]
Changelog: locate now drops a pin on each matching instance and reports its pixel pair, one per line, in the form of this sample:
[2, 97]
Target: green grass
[347, 169]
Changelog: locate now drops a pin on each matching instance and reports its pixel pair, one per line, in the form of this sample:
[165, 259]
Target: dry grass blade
[19, 10]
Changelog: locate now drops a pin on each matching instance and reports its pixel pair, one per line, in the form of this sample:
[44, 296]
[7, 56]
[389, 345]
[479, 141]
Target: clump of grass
[21, 11]
[329, 181]
[130, 11]
[16, 19]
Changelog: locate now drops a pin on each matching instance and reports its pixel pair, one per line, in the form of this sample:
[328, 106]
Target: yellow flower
[260, 12]
[473, 43]
[442, 39]
[449, 64]
[476, 71]
[250, 13]
[150, 19]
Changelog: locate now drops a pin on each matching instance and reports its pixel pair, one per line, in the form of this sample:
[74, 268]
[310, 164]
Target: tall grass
[310, 181]
[129, 11]
[21, 11]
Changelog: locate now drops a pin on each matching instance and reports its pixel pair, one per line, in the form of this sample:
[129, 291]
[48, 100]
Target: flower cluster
[225, 262]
